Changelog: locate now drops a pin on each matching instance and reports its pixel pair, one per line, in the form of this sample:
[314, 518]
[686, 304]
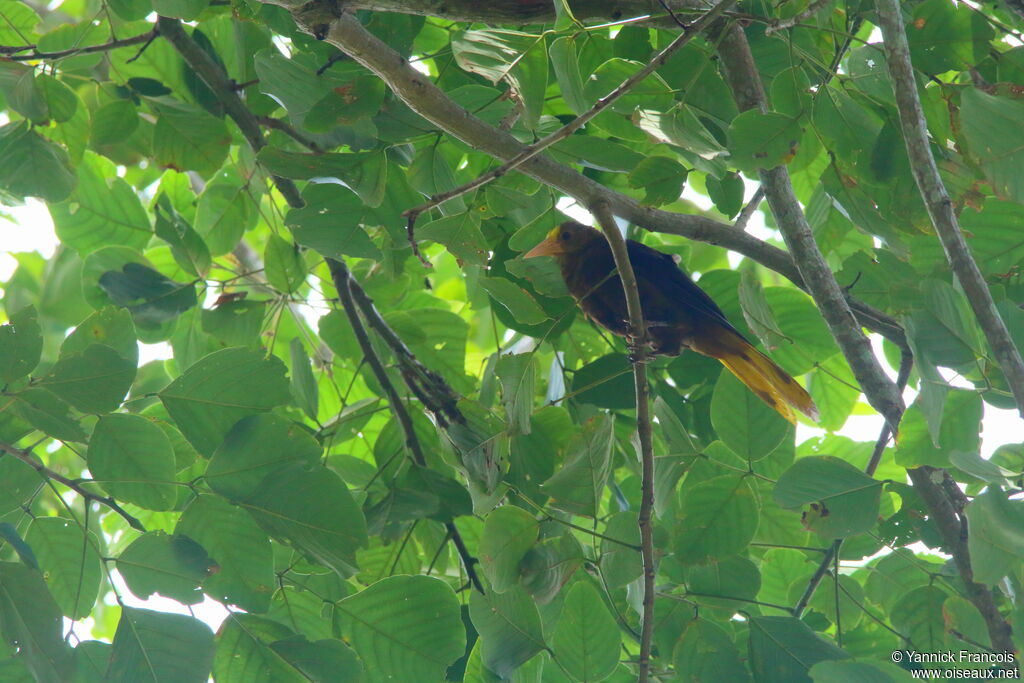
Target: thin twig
[12, 51]
[289, 130]
[343, 281]
[753, 205]
[797, 18]
[530, 151]
[74, 485]
[936, 199]
[639, 355]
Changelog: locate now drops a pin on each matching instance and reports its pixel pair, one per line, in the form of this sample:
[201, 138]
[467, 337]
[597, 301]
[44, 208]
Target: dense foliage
[398, 472]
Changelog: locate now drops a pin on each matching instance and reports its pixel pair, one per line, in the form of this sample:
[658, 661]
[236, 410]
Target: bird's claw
[636, 343]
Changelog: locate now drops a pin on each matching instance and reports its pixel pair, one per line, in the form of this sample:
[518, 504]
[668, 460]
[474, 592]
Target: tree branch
[520, 11]
[343, 280]
[11, 52]
[73, 484]
[745, 81]
[427, 100]
[936, 199]
[568, 129]
[638, 342]
[224, 89]
[954, 538]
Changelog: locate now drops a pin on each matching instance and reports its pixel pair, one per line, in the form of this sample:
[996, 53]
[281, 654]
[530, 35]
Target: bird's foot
[636, 343]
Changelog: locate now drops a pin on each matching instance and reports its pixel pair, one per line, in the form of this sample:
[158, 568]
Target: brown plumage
[677, 312]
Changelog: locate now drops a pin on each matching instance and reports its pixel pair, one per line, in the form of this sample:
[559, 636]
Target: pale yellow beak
[549, 247]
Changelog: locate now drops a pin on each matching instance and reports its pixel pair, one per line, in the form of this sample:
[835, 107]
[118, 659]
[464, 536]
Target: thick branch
[638, 342]
[427, 100]
[745, 82]
[954, 538]
[936, 199]
[73, 484]
[217, 81]
[343, 282]
[519, 11]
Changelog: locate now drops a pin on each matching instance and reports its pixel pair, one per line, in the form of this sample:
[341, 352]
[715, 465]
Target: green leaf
[112, 123]
[844, 501]
[807, 339]
[186, 138]
[918, 616]
[31, 166]
[705, 652]
[103, 211]
[69, 559]
[256, 447]
[650, 93]
[61, 102]
[508, 533]
[863, 671]
[959, 430]
[586, 640]
[833, 388]
[579, 485]
[405, 628]
[313, 510]
[995, 538]
[520, 59]
[757, 312]
[19, 25]
[726, 193]
[109, 326]
[942, 37]
[244, 560]
[520, 304]
[661, 178]
[716, 518]
[132, 458]
[224, 212]
[751, 428]
[509, 627]
[460, 234]
[156, 646]
[93, 381]
[189, 250]
[283, 265]
[220, 389]
[566, 65]
[21, 344]
[244, 654]
[517, 375]
[324, 660]
[431, 173]
[681, 128]
[47, 413]
[762, 141]
[606, 382]
[180, 9]
[173, 566]
[18, 482]
[621, 564]
[330, 222]
[30, 623]
[305, 390]
[719, 583]
[989, 128]
[784, 648]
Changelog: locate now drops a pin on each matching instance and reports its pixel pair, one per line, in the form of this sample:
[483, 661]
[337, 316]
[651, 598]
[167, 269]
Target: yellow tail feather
[768, 381]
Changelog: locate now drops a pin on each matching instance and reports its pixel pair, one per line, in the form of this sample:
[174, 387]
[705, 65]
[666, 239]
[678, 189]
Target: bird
[678, 314]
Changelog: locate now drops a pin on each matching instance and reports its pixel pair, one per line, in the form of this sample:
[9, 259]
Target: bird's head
[568, 238]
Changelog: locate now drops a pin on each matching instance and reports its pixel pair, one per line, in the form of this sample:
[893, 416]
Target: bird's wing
[662, 269]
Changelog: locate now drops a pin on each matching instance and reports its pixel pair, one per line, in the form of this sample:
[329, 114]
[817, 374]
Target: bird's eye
[565, 237]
